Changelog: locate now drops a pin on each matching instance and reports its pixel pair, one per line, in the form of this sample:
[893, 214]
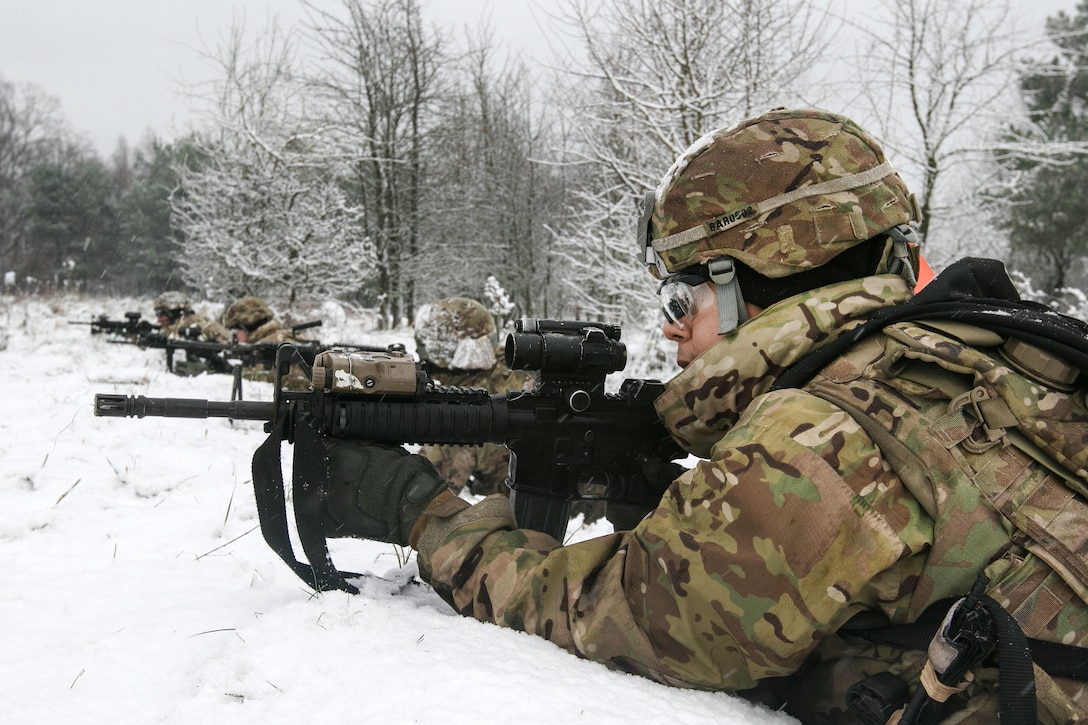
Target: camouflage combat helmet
[456, 333]
[247, 313]
[172, 301]
[782, 193]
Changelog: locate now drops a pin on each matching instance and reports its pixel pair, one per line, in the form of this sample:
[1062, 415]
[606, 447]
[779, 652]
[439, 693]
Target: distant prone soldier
[456, 339]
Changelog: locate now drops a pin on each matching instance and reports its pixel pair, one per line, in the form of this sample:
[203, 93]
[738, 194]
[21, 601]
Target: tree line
[71, 220]
[371, 156]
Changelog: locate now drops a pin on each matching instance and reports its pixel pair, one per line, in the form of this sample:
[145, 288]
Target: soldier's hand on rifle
[659, 474]
[377, 492]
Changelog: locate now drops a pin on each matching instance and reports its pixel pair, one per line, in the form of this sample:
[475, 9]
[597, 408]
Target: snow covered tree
[499, 303]
[490, 191]
[263, 211]
[935, 79]
[655, 76]
[378, 79]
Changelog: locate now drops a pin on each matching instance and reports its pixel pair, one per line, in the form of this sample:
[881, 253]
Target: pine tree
[1042, 206]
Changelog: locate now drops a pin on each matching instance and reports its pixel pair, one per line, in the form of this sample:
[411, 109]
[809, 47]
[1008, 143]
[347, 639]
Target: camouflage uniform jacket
[482, 468]
[270, 331]
[794, 522]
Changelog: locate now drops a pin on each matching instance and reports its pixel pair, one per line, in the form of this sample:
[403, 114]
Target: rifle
[131, 326]
[221, 356]
[568, 438]
[210, 352]
[295, 329]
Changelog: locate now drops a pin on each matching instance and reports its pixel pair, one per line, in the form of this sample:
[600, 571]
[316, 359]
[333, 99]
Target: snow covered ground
[137, 587]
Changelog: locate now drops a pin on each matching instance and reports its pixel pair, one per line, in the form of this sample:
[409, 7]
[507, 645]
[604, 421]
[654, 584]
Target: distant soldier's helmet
[456, 333]
[248, 313]
[174, 303]
[783, 193]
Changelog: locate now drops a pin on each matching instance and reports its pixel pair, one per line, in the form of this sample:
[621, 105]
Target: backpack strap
[972, 291]
[1017, 653]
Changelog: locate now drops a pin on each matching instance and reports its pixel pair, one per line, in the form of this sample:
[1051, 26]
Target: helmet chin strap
[731, 309]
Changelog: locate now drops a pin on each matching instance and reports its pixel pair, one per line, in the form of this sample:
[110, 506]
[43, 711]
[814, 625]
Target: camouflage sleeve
[215, 332]
[795, 524]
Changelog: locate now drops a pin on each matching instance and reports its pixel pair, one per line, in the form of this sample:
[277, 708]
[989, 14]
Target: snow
[137, 587]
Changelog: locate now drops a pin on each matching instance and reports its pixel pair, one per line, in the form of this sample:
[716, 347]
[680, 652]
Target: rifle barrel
[138, 406]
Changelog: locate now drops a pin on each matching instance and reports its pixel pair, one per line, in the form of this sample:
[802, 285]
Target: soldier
[176, 318]
[250, 319]
[455, 338]
[868, 457]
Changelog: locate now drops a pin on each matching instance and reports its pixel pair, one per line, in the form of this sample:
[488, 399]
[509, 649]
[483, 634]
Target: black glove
[625, 515]
[376, 492]
[659, 474]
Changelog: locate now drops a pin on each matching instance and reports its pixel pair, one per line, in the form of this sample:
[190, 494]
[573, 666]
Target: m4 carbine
[568, 438]
[221, 357]
[130, 327]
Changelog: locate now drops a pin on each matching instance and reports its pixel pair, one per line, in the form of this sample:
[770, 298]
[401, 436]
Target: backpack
[981, 394]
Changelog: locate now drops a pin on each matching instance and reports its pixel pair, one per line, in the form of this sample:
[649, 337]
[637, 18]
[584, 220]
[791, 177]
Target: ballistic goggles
[680, 294]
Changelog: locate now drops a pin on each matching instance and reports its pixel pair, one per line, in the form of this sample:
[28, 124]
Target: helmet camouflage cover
[456, 333]
[248, 313]
[782, 193]
[172, 302]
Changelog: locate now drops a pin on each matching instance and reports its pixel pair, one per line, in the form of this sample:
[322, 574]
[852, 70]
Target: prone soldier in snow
[177, 319]
[887, 522]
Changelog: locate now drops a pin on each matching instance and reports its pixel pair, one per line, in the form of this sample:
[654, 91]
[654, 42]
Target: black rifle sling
[308, 491]
[268, 490]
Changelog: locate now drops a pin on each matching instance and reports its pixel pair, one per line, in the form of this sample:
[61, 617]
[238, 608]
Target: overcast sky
[115, 64]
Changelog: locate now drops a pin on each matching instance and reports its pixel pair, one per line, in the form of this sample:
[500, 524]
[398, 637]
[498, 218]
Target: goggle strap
[731, 308]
